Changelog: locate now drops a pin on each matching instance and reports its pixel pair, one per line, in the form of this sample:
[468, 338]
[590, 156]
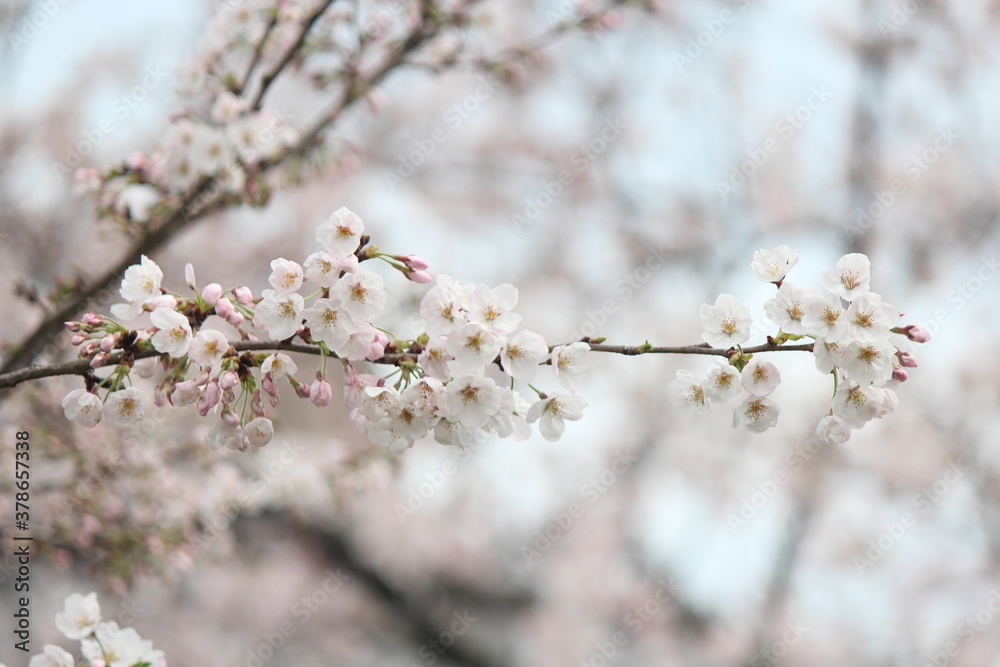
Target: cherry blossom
[208, 347]
[279, 313]
[771, 266]
[571, 362]
[52, 656]
[329, 322]
[125, 407]
[286, 276]
[760, 377]
[80, 615]
[851, 277]
[493, 308]
[723, 383]
[833, 430]
[362, 293]
[83, 407]
[757, 414]
[174, 335]
[341, 233]
[552, 412]
[472, 400]
[725, 324]
[522, 354]
[788, 308]
[688, 392]
[472, 346]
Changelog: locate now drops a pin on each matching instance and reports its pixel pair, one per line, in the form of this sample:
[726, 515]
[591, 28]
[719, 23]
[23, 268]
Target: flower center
[868, 355]
[491, 313]
[728, 326]
[177, 334]
[697, 395]
[760, 374]
[755, 410]
[830, 316]
[864, 319]
[470, 395]
[288, 280]
[850, 279]
[857, 397]
[795, 311]
[285, 310]
[515, 352]
[344, 232]
[475, 342]
[358, 292]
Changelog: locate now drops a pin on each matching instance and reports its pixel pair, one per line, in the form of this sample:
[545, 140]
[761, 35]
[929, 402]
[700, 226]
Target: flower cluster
[857, 338]
[456, 379]
[102, 643]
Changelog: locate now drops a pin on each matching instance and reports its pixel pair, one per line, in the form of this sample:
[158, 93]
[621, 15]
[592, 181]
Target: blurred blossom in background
[619, 179]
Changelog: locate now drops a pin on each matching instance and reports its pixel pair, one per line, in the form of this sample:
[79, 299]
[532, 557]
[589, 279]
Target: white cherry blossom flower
[443, 306]
[223, 434]
[125, 407]
[868, 318]
[435, 357]
[760, 377]
[723, 382]
[493, 308]
[80, 615]
[362, 293]
[341, 233]
[757, 414]
[857, 404]
[141, 281]
[280, 314]
[329, 322]
[868, 363]
[472, 346]
[725, 324]
[136, 200]
[359, 344]
[851, 277]
[208, 347]
[472, 400]
[174, 335]
[113, 646]
[824, 317]
[688, 392]
[426, 398]
[788, 308]
[279, 365]
[522, 354]
[379, 402]
[571, 362]
[453, 433]
[833, 430]
[828, 354]
[552, 412]
[259, 431]
[83, 407]
[52, 656]
[286, 276]
[771, 266]
[324, 268]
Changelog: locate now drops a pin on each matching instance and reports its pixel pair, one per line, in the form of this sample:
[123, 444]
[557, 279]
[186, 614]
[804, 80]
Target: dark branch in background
[83, 367]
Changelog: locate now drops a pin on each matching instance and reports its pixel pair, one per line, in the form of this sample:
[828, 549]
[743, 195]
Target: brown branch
[83, 367]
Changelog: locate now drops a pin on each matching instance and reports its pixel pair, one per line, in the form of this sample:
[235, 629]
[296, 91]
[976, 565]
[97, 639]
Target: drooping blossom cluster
[102, 643]
[858, 339]
[457, 379]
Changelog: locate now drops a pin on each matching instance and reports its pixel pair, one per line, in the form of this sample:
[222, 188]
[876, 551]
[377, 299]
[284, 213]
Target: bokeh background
[698, 133]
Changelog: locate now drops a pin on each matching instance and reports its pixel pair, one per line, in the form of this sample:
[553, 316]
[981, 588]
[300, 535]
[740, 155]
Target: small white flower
[788, 307]
[136, 200]
[868, 318]
[359, 343]
[522, 354]
[473, 346]
[551, 414]
[228, 107]
[185, 393]
[760, 377]
[756, 414]
[723, 382]
[571, 362]
[492, 308]
[824, 317]
[223, 434]
[278, 365]
[286, 276]
[280, 314]
[125, 407]
[80, 615]
[385, 433]
[472, 400]
[259, 431]
[379, 402]
[52, 656]
[83, 407]
[208, 347]
[174, 335]
[771, 266]
[324, 268]
[113, 646]
[689, 393]
[857, 404]
[725, 324]
[141, 281]
[341, 233]
[829, 355]
[833, 430]
[867, 363]
[851, 277]
[426, 398]
[210, 150]
[453, 433]
[362, 293]
[330, 323]
[435, 358]
[443, 306]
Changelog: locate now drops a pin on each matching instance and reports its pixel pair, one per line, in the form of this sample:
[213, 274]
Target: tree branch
[82, 366]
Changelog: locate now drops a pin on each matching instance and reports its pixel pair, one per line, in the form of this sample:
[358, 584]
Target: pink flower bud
[185, 393]
[201, 378]
[302, 390]
[228, 380]
[99, 359]
[267, 384]
[189, 277]
[414, 262]
[164, 301]
[92, 318]
[907, 360]
[421, 277]
[79, 338]
[235, 318]
[899, 374]
[322, 393]
[230, 417]
[212, 293]
[72, 326]
[159, 396]
[203, 407]
[257, 404]
[212, 395]
[349, 263]
[90, 348]
[224, 307]
[243, 295]
[108, 343]
[916, 333]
